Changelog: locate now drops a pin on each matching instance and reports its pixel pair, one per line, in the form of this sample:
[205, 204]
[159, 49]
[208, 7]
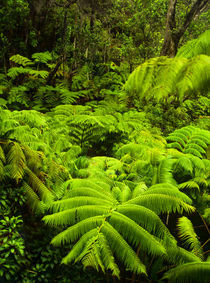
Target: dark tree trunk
[173, 34]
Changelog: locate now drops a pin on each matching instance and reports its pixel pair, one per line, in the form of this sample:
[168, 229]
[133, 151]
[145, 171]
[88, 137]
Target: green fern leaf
[37, 185]
[200, 45]
[16, 160]
[122, 249]
[188, 235]
[21, 60]
[189, 272]
[161, 203]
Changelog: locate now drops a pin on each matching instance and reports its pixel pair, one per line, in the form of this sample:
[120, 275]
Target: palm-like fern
[200, 45]
[20, 162]
[95, 212]
[166, 80]
[15, 163]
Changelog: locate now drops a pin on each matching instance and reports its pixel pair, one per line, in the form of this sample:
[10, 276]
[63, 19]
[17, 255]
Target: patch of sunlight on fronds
[162, 202]
[30, 117]
[190, 140]
[189, 237]
[165, 171]
[92, 209]
[194, 77]
[165, 79]
[21, 60]
[42, 57]
[200, 45]
[149, 79]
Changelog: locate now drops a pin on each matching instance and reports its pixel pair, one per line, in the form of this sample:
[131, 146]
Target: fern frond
[148, 220]
[189, 272]
[73, 215]
[45, 194]
[183, 164]
[21, 60]
[139, 189]
[188, 235]
[178, 255]
[105, 252]
[194, 77]
[42, 74]
[74, 232]
[164, 173]
[190, 140]
[33, 200]
[139, 235]
[16, 71]
[77, 202]
[2, 155]
[121, 248]
[200, 45]
[169, 190]
[42, 57]
[192, 185]
[161, 203]
[88, 191]
[16, 160]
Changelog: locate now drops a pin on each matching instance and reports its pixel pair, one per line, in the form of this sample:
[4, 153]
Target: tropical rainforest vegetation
[104, 141]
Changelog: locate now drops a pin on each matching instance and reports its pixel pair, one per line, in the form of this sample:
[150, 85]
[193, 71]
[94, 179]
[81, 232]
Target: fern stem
[167, 218]
[134, 275]
[205, 243]
[204, 223]
[154, 178]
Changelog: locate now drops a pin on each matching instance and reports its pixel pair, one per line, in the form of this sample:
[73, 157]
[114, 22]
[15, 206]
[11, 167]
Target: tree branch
[195, 10]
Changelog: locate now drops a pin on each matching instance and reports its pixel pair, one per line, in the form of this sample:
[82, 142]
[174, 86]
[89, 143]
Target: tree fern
[159, 79]
[200, 45]
[42, 57]
[90, 210]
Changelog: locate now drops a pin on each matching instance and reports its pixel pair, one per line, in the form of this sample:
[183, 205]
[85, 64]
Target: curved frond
[16, 160]
[72, 233]
[139, 235]
[73, 215]
[45, 194]
[124, 252]
[188, 235]
[189, 272]
[200, 45]
[161, 203]
[179, 255]
[147, 219]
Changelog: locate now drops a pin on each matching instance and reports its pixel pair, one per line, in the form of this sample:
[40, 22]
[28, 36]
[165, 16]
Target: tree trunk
[173, 34]
[169, 47]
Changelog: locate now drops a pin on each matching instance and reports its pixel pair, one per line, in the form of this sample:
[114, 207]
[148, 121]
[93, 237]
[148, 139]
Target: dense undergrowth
[112, 174]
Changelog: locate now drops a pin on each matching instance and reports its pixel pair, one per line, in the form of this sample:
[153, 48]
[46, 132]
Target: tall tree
[175, 32]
